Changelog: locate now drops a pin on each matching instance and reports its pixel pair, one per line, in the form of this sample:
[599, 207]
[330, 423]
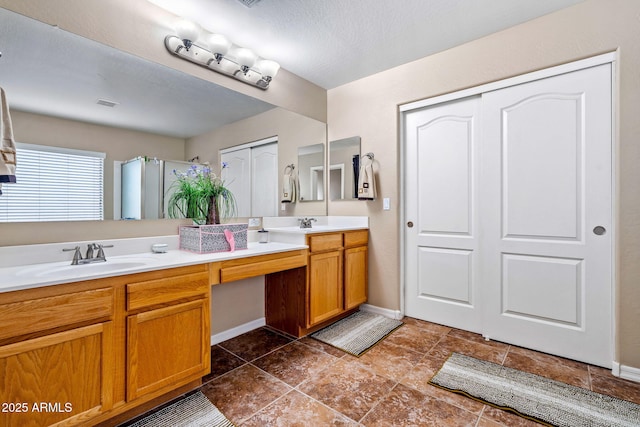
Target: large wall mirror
[344, 158]
[68, 91]
[311, 173]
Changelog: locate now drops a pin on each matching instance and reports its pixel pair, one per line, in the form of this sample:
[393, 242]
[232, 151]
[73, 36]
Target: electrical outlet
[386, 204]
[254, 222]
[283, 207]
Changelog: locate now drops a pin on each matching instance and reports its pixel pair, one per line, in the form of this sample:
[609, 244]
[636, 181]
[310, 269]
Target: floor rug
[532, 396]
[357, 333]
[194, 410]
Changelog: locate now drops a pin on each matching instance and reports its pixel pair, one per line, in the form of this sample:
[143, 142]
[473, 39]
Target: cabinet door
[325, 286]
[64, 376]
[355, 277]
[167, 347]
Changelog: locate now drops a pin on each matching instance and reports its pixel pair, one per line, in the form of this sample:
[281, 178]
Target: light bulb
[245, 58]
[268, 68]
[218, 44]
[188, 32]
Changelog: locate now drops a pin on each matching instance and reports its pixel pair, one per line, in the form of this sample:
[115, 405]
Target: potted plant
[199, 194]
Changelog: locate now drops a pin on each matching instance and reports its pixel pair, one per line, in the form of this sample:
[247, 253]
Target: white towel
[289, 184]
[366, 180]
[7, 145]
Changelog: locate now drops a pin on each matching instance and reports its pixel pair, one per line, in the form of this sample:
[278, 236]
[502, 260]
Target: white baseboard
[625, 372]
[238, 330]
[392, 314]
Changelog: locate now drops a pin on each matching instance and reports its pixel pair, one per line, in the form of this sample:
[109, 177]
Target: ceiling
[49, 71]
[46, 70]
[333, 42]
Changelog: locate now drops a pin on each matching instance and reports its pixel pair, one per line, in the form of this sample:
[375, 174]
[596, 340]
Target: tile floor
[263, 378]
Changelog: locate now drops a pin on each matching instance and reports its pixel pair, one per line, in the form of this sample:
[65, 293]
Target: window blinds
[54, 184]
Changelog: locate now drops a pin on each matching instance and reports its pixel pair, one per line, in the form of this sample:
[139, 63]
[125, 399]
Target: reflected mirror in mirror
[58, 105]
[344, 163]
[311, 172]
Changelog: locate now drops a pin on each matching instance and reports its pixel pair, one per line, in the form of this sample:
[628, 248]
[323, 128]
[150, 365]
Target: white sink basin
[56, 269]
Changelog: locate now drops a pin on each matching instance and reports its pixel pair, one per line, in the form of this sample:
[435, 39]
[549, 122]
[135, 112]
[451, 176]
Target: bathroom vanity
[91, 344]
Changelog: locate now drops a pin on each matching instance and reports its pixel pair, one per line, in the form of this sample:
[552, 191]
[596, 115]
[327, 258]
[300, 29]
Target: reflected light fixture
[216, 52]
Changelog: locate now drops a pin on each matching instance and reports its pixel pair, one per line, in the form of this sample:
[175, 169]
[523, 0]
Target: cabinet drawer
[26, 317]
[160, 291]
[325, 242]
[356, 238]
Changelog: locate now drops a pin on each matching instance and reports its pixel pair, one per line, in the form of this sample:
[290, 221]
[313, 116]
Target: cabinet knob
[410, 224]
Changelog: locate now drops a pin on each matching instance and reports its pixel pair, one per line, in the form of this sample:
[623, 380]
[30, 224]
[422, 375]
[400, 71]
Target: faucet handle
[90, 248]
[77, 256]
[101, 250]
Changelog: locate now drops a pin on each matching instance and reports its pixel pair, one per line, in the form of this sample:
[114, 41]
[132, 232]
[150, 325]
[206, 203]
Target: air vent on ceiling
[106, 103]
[249, 3]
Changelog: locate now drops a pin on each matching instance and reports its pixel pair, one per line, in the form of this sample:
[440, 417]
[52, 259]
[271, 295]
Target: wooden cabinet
[333, 286]
[168, 341]
[337, 278]
[325, 286]
[56, 364]
[355, 276]
[85, 352]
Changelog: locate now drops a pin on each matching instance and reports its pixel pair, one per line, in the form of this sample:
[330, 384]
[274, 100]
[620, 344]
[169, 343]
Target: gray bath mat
[532, 396]
[193, 411]
[357, 333]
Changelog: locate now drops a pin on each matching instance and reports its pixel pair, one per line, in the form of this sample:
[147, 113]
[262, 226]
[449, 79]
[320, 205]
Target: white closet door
[441, 239]
[264, 160]
[237, 177]
[546, 203]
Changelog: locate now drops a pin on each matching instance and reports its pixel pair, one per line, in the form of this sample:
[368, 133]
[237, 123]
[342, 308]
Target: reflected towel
[366, 180]
[289, 184]
[7, 144]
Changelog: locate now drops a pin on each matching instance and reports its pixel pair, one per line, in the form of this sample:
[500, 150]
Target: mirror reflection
[311, 172]
[344, 163]
[97, 98]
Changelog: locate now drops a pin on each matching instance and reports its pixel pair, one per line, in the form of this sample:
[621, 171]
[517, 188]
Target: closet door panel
[543, 163]
[546, 188]
[264, 160]
[441, 234]
[237, 177]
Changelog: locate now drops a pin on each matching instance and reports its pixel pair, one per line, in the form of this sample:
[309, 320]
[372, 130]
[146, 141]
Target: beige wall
[293, 131]
[118, 144]
[139, 27]
[369, 108]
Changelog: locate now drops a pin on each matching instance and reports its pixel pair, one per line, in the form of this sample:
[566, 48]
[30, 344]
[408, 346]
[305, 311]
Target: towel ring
[291, 166]
[368, 155]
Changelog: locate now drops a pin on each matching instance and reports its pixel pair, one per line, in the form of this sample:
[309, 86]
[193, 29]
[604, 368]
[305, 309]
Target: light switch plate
[254, 222]
[386, 204]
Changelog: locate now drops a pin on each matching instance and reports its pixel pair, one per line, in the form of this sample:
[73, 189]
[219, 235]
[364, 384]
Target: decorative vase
[213, 213]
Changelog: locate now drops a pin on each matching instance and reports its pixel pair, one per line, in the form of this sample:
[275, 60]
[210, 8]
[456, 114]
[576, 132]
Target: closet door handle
[410, 224]
[599, 230]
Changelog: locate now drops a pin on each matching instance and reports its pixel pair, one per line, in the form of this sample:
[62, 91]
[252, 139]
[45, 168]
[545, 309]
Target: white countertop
[55, 273]
[32, 266]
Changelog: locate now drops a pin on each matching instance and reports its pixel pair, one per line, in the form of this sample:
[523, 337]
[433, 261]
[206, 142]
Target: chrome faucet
[306, 222]
[89, 258]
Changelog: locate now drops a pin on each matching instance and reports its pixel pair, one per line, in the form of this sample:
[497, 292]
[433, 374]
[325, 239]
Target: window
[54, 184]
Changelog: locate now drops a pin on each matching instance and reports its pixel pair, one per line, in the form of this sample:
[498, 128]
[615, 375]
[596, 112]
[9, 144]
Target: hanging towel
[366, 180]
[289, 184]
[7, 144]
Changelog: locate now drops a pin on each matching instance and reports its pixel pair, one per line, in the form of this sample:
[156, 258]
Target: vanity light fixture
[215, 52]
